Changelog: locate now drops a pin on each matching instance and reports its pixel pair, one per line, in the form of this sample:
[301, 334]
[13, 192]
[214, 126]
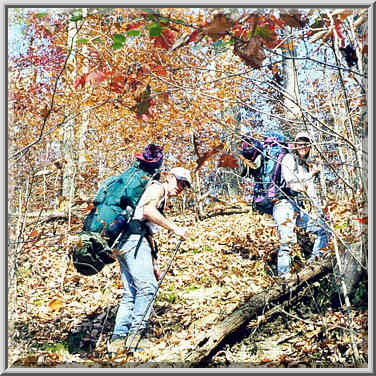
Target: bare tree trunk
[82, 158]
[69, 167]
[291, 88]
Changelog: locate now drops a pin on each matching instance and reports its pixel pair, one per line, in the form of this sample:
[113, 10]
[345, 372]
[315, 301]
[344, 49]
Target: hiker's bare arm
[153, 195]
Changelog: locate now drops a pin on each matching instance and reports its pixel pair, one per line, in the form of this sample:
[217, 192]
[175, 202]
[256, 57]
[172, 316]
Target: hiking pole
[156, 291]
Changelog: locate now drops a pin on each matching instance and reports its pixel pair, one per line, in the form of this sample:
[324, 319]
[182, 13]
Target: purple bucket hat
[152, 155]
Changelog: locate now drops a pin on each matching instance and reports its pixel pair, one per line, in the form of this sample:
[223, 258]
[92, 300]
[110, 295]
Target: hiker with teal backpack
[282, 183]
[114, 204]
[137, 258]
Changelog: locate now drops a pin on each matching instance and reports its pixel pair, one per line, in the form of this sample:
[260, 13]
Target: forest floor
[59, 318]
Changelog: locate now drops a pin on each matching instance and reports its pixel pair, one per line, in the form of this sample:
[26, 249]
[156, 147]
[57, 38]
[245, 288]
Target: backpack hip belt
[137, 227]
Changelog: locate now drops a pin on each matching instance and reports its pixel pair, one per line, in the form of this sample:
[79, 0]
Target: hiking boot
[138, 342]
[116, 346]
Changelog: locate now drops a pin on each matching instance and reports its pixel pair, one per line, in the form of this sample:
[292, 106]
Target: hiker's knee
[287, 236]
[146, 288]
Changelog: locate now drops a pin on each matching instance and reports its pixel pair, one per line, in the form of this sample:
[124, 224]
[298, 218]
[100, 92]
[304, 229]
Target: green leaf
[76, 18]
[263, 32]
[164, 20]
[147, 10]
[133, 33]
[82, 40]
[118, 38]
[155, 29]
[60, 347]
[41, 15]
[179, 21]
[117, 45]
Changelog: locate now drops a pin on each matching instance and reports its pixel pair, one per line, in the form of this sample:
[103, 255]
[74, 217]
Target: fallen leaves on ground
[61, 317]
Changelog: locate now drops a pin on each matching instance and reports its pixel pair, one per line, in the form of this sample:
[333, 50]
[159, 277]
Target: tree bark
[69, 167]
[82, 157]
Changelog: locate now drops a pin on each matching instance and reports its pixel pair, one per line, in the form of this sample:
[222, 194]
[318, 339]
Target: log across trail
[207, 342]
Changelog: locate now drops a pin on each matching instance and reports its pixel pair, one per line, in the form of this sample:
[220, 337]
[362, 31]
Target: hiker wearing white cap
[299, 178]
[138, 265]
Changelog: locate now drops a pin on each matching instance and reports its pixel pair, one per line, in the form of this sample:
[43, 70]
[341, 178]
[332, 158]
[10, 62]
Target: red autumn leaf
[238, 31]
[363, 220]
[160, 42]
[117, 81]
[169, 36]
[96, 77]
[193, 36]
[227, 160]
[34, 234]
[338, 24]
[133, 25]
[165, 97]
[160, 70]
[80, 81]
[166, 40]
[253, 20]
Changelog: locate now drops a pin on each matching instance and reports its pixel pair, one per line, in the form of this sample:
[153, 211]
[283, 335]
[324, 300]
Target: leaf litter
[60, 317]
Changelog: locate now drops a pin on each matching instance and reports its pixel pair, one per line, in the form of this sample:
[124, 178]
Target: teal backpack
[114, 205]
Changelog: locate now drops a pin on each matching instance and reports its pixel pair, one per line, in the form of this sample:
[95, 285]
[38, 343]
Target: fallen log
[209, 340]
[224, 212]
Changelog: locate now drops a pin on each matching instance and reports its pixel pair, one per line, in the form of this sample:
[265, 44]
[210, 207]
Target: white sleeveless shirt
[139, 211]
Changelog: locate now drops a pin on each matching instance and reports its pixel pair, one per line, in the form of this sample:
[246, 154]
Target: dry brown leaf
[227, 160]
[218, 27]
[55, 305]
[250, 52]
[293, 18]
[202, 158]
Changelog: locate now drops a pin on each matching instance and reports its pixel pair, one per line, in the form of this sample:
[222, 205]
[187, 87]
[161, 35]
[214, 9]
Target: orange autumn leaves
[132, 82]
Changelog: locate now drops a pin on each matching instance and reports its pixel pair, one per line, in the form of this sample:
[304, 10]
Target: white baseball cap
[181, 173]
[303, 135]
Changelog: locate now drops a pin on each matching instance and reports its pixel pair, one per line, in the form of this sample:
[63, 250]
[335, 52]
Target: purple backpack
[270, 185]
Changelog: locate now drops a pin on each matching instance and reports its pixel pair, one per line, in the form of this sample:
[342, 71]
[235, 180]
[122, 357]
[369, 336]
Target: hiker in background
[138, 266]
[299, 180]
